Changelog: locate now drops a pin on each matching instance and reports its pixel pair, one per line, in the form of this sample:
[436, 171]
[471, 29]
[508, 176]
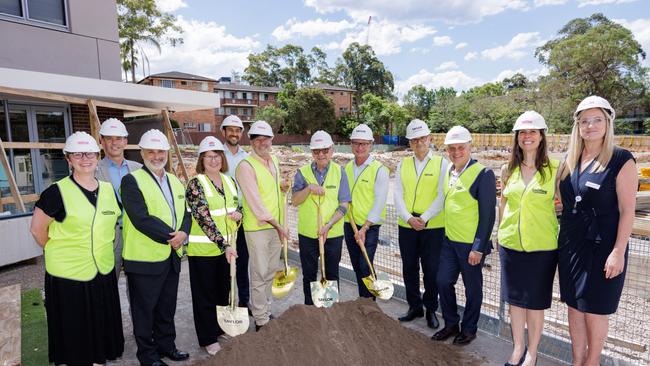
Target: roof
[134, 99]
[178, 75]
[244, 87]
[331, 87]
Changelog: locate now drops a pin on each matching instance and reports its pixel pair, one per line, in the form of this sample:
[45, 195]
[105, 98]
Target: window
[245, 112]
[186, 83]
[265, 96]
[205, 127]
[232, 110]
[204, 86]
[189, 125]
[47, 11]
[231, 94]
[342, 93]
[219, 111]
[167, 83]
[244, 95]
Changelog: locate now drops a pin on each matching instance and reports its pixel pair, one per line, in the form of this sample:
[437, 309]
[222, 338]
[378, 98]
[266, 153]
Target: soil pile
[349, 333]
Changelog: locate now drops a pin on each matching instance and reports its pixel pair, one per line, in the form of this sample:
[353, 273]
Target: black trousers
[420, 247]
[153, 305]
[209, 282]
[361, 268]
[243, 282]
[311, 265]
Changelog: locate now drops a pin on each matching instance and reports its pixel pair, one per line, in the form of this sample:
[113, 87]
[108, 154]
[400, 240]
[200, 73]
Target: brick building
[342, 97]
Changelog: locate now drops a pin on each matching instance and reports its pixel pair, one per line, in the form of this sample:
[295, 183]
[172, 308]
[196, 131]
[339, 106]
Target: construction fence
[628, 340]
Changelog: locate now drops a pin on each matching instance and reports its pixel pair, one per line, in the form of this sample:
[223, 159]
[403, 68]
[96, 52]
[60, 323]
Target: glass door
[50, 127]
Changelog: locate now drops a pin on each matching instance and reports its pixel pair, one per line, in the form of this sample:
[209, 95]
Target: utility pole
[368, 32]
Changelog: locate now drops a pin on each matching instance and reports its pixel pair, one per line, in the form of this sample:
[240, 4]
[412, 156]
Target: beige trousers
[264, 249]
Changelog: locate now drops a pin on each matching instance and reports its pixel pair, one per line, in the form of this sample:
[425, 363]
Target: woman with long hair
[598, 183]
[528, 234]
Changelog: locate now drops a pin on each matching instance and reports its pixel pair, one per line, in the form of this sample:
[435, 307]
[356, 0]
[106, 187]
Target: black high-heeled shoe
[521, 360]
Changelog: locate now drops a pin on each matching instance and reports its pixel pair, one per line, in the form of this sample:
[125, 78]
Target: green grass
[34, 329]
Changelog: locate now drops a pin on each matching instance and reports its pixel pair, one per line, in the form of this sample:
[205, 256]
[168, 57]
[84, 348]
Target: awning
[134, 99]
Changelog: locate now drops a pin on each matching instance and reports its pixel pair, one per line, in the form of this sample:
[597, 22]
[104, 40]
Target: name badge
[592, 185]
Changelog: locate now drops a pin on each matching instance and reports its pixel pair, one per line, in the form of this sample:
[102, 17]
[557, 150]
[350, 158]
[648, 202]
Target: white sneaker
[213, 348]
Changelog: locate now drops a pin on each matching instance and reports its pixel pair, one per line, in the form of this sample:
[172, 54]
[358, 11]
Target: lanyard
[575, 183]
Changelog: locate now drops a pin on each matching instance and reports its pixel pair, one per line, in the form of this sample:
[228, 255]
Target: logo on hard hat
[113, 126]
[318, 140]
[211, 143]
[527, 121]
[417, 128]
[155, 140]
[455, 135]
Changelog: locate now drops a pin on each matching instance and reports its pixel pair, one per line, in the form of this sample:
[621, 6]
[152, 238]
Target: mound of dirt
[349, 333]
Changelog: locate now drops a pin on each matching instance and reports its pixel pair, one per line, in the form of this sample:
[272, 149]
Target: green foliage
[174, 123]
[308, 111]
[141, 22]
[33, 329]
[275, 116]
[364, 72]
[279, 66]
[384, 117]
[623, 128]
[646, 126]
[418, 101]
[345, 124]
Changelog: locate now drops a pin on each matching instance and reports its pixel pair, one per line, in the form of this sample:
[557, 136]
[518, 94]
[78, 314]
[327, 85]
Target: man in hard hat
[263, 214]
[156, 225]
[112, 168]
[469, 208]
[320, 185]
[418, 200]
[231, 130]
[368, 182]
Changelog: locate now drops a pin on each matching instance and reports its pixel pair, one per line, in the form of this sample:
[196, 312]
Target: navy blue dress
[587, 237]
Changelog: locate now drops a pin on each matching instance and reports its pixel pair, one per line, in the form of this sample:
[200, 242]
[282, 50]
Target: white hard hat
[594, 101]
[530, 120]
[232, 120]
[362, 132]
[80, 142]
[417, 128]
[260, 128]
[154, 140]
[320, 140]
[210, 143]
[458, 135]
[113, 127]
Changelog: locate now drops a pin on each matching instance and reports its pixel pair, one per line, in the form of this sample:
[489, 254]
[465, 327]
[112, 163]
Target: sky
[450, 43]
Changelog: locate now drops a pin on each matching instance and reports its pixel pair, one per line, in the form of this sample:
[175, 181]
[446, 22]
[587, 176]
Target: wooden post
[94, 120]
[18, 200]
[172, 140]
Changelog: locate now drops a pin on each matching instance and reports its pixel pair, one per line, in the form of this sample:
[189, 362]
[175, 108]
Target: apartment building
[242, 100]
[341, 96]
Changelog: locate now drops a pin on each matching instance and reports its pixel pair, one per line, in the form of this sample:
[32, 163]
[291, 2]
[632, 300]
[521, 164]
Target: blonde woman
[598, 183]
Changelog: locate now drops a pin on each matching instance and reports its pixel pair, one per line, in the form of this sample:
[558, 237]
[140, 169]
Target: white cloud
[529, 74]
[450, 11]
[449, 65]
[550, 2]
[169, 6]
[456, 79]
[208, 50]
[310, 28]
[513, 49]
[385, 38]
[442, 41]
[461, 45]
[420, 50]
[470, 56]
[582, 3]
[641, 30]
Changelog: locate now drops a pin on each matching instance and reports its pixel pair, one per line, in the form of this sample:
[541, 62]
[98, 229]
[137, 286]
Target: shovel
[231, 318]
[379, 285]
[284, 279]
[324, 293]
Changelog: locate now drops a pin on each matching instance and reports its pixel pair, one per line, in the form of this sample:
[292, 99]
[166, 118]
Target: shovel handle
[285, 244]
[321, 241]
[362, 245]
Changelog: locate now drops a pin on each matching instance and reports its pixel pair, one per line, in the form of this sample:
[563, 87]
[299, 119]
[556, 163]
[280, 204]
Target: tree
[308, 111]
[363, 71]
[279, 66]
[418, 101]
[441, 114]
[383, 116]
[275, 116]
[141, 22]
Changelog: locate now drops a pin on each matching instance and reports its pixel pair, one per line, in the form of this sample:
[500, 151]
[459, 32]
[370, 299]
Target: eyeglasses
[419, 140]
[591, 121]
[81, 155]
[320, 151]
[360, 144]
[212, 157]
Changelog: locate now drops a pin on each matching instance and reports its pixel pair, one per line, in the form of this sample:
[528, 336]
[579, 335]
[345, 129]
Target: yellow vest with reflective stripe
[420, 192]
[270, 194]
[138, 246]
[529, 222]
[308, 210]
[461, 209]
[220, 206]
[82, 244]
[363, 191]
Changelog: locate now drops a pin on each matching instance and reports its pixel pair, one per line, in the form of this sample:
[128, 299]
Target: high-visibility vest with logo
[220, 206]
[529, 222]
[420, 192]
[138, 246]
[270, 194]
[363, 191]
[308, 210]
[461, 209]
[82, 244]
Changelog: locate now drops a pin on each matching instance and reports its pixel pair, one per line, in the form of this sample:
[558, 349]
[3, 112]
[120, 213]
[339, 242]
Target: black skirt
[84, 320]
[527, 278]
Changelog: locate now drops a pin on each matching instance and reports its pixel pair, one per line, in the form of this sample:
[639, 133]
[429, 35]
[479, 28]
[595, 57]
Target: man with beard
[156, 224]
[231, 130]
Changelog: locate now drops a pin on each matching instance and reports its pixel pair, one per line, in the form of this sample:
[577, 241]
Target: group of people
[113, 212]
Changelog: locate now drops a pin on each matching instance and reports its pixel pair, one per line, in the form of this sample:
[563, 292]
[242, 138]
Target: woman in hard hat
[74, 221]
[598, 182]
[528, 234]
[212, 197]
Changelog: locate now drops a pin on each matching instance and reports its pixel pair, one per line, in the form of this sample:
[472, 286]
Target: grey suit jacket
[102, 169]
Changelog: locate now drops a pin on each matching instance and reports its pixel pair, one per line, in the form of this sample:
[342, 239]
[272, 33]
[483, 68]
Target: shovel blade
[381, 288]
[283, 283]
[233, 321]
[324, 293]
